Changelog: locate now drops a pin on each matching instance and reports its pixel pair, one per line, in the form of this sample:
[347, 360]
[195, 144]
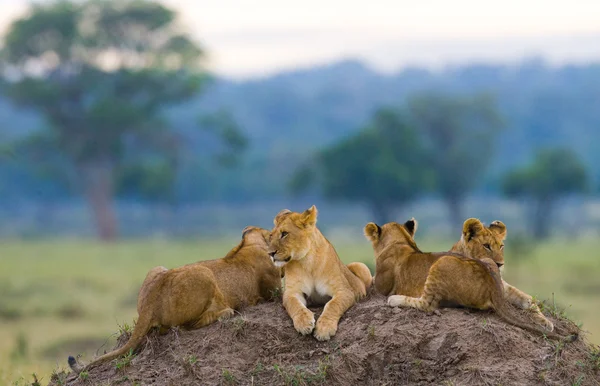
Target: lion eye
[487, 246]
[283, 234]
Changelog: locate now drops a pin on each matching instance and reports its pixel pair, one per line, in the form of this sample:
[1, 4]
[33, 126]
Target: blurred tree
[459, 134]
[149, 180]
[153, 178]
[102, 73]
[222, 125]
[381, 166]
[553, 174]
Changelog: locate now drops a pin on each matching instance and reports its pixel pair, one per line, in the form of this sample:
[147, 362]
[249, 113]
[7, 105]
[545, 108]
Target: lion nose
[499, 264]
[272, 254]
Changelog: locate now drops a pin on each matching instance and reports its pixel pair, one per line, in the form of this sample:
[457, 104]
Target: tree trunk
[542, 217]
[97, 181]
[455, 212]
[381, 212]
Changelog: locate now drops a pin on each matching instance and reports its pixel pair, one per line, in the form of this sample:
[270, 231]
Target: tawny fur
[426, 280]
[198, 294]
[475, 235]
[314, 273]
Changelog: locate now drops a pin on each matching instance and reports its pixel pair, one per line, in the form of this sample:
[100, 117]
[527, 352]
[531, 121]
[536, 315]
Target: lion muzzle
[279, 262]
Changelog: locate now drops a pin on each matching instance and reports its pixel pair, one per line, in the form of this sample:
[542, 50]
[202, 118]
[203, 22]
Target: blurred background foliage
[106, 106]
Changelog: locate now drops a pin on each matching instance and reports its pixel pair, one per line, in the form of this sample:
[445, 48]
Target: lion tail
[509, 316]
[502, 309]
[140, 330]
[361, 271]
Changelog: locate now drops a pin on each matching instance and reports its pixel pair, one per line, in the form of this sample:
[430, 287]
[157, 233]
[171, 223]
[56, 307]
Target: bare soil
[374, 345]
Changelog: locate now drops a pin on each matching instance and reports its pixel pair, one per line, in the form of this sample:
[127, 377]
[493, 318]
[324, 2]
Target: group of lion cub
[201, 293]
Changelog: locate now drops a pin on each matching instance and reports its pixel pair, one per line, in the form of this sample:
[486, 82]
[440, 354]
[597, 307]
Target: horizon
[387, 36]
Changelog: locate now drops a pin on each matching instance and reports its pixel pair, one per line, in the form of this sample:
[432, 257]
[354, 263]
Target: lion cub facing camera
[198, 294]
[314, 273]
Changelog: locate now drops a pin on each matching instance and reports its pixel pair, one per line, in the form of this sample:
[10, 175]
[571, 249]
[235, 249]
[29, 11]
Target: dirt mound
[374, 345]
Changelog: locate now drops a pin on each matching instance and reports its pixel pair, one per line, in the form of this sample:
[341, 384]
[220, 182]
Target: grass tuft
[371, 332]
[229, 377]
[59, 377]
[125, 360]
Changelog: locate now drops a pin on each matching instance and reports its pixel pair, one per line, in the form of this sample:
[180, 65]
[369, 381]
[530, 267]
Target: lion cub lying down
[478, 237]
[198, 294]
[424, 280]
[314, 273]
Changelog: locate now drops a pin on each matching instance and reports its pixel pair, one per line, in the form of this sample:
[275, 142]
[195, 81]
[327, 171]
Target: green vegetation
[106, 120]
[229, 377]
[553, 174]
[84, 375]
[379, 166]
[192, 359]
[125, 360]
[435, 141]
[460, 133]
[302, 375]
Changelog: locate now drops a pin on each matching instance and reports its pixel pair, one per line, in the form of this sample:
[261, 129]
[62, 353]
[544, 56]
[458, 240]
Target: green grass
[57, 295]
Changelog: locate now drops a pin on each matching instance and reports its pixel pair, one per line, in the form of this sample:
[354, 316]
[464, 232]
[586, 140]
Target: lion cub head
[251, 236]
[392, 232]
[478, 240]
[290, 239]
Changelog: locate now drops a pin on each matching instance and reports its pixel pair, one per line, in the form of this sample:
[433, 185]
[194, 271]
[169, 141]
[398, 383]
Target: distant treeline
[286, 118]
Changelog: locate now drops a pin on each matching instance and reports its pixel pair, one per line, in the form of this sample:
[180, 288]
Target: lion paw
[304, 323]
[225, 314]
[396, 301]
[527, 304]
[548, 325]
[325, 330]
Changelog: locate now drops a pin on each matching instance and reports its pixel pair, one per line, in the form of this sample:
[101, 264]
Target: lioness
[424, 280]
[198, 294]
[476, 238]
[314, 272]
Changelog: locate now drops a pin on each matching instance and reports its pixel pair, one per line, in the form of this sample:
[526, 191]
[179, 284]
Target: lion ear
[280, 216]
[372, 231]
[309, 216]
[246, 230]
[472, 227]
[499, 228]
[411, 226]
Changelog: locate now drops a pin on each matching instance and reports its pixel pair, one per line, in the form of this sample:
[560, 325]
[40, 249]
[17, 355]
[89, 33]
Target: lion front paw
[396, 301]
[325, 329]
[304, 322]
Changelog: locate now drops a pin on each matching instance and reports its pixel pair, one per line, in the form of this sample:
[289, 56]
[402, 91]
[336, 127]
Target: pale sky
[248, 38]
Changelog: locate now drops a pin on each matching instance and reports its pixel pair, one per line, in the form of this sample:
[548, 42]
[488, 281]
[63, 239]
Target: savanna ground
[70, 297]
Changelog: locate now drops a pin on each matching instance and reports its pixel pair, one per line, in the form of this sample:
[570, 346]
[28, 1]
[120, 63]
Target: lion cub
[477, 238]
[198, 294]
[314, 273]
[424, 280]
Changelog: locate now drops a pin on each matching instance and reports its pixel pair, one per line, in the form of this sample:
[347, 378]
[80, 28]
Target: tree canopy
[383, 166]
[554, 173]
[459, 133]
[102, 74]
